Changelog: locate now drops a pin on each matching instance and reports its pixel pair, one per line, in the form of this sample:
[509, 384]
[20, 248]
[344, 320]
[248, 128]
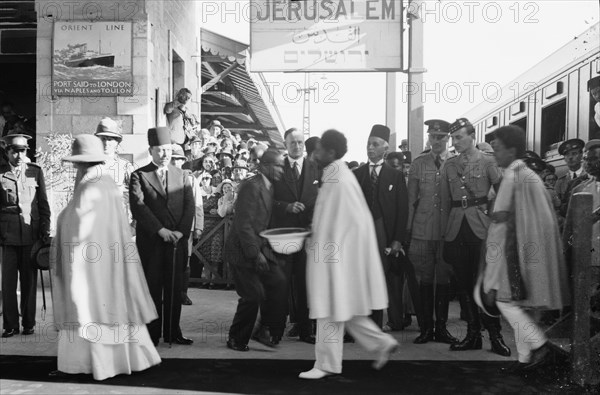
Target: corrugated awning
[234, 96]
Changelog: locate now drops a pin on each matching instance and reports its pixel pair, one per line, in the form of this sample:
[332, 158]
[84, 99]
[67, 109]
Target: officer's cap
[17, 141]
[594, 143]
[569, 145]
[438, 126]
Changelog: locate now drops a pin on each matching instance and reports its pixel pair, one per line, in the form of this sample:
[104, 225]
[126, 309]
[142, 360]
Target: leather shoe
[263, 336]
[234, 345]
[424, 337]
[185, 300]
[314, 374]
[181, 340]
[539, 357]
[499, 347]
[441, 335]
[310, 339]
[28, 331]
[516, 367]
[471, 342]
[10, 333]
[57, 374]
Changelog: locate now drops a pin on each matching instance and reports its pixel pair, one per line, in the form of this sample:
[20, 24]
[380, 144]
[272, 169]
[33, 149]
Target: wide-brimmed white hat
[86, 148]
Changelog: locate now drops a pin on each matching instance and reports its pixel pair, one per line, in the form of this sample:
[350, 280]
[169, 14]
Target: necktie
[163, 177]
[438, 161]
[374, 178]
[574, 175]
[296, 172]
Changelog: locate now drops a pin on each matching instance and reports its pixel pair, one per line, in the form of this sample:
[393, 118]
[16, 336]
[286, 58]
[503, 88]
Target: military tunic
[24, 218]
[465, 178]
[425, 218]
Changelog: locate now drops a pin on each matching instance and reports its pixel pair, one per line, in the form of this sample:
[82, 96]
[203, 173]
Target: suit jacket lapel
[289, 178]
[153, 179]
[265, 195]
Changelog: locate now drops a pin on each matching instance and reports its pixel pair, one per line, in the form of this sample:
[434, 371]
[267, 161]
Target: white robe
[344, 271]
[100, 297]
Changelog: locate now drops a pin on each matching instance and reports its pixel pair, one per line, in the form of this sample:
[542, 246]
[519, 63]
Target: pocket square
[391, 187]
[315, 182]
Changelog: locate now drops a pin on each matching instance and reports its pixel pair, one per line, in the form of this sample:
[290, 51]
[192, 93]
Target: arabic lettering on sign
[326, 35]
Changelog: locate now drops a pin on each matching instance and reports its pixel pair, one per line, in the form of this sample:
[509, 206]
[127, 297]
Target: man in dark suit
[295, 196]
[162, 203]
[385, 192]
[257, 272]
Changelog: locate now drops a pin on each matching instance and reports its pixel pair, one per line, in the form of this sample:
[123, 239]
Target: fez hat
[109, 128]
[86, 148]
[592, 144]
[487, 302]
[535, 164]
[569, 145]
[437, 126]
[381, 131]
[159, 135]
[226, 161]
[40, 255]
[461, 123]
[177, 152]
[18, 141]
[593, 83]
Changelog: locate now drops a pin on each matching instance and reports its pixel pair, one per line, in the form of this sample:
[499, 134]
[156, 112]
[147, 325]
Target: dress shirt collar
[376, 164]
[578, 172]
[159, 168]
[300, 162]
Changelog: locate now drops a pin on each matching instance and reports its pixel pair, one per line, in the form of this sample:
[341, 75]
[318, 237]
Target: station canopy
[236, 97]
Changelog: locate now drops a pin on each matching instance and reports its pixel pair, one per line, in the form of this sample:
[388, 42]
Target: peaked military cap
[18, 141]
[569, 145]
[438, 126]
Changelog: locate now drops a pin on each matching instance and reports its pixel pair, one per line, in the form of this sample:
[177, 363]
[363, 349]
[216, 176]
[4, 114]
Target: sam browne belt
[464, 202]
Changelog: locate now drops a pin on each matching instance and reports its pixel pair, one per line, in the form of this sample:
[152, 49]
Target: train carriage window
[554, 124]
[594, 127]
[522, 123]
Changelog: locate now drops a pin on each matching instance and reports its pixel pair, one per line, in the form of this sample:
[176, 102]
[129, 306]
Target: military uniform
[425, 223]
[562, 184]
[119, 169]
[24, 218]
[466, 182]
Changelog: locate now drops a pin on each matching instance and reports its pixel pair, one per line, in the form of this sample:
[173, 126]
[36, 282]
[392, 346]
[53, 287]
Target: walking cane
[43, 296]
[172, 295]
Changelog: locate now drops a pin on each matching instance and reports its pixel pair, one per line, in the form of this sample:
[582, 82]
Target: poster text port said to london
[96, 61]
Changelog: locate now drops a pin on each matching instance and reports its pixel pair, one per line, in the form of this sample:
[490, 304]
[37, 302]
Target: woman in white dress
[100, 296]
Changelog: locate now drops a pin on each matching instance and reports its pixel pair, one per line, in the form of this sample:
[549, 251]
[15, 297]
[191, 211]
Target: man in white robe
[100, 297]
[344, 275]
[524, 264]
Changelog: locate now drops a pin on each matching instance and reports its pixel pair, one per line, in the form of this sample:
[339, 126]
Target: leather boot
[492, 324]
[473, 339]
[441, 334]
[426, 292]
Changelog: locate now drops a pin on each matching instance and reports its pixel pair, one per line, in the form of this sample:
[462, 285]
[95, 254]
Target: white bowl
[286, 241]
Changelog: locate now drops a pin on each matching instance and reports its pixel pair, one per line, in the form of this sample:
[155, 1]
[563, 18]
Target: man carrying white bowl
[259, 278]
[343, 243]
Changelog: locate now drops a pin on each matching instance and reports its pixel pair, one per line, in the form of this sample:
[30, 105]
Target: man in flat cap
[162, 203]
[572, 151]
[466, 182]
[117, 168]
[385, 192]
[25, 218]
[425, 229]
